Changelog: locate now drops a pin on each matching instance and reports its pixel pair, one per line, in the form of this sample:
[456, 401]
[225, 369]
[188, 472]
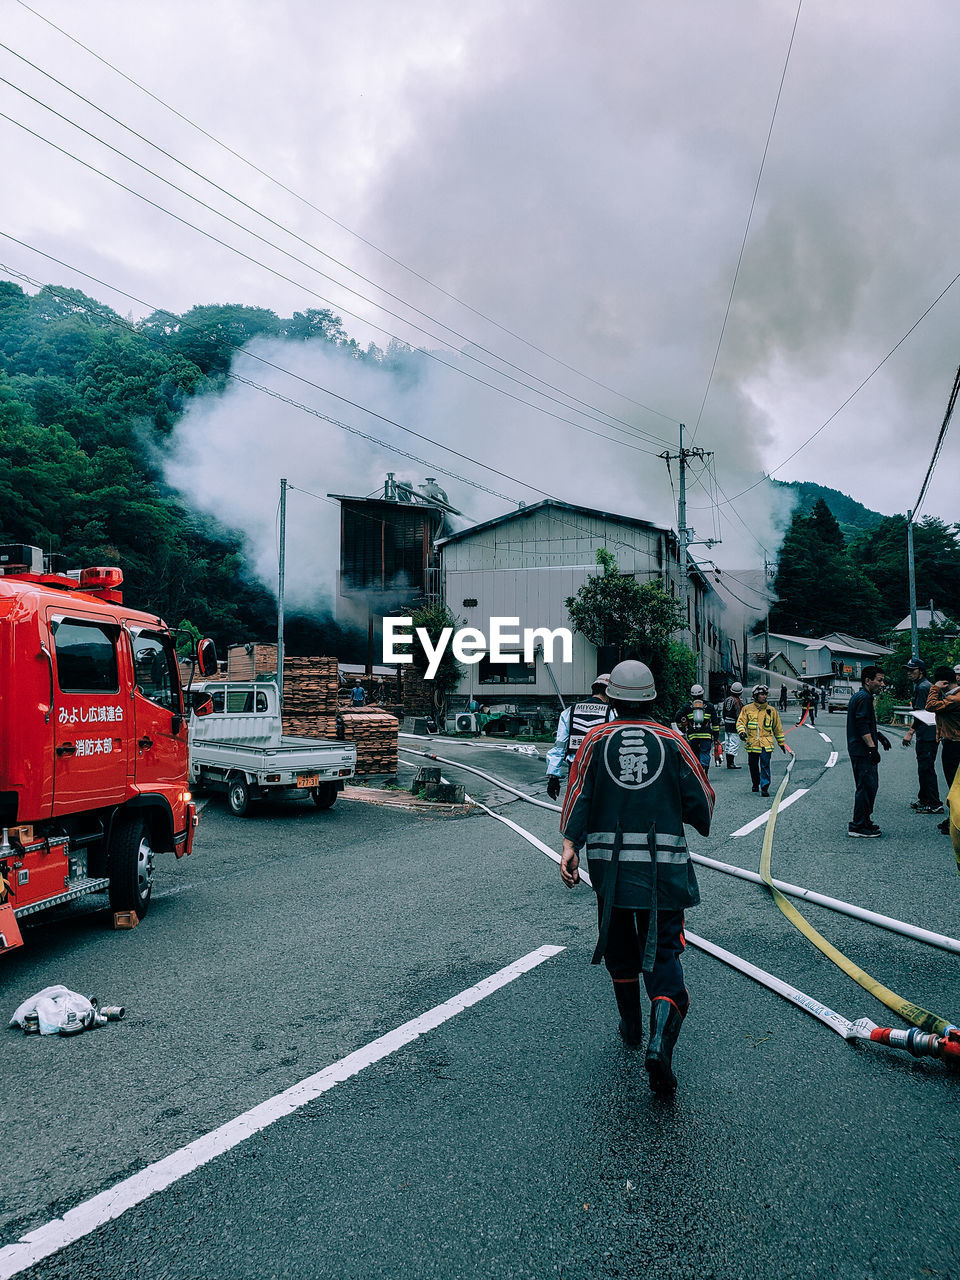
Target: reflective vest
[732, 707]
[585, 716]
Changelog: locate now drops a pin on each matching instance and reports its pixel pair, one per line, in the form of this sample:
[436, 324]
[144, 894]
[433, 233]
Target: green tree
[820, 587]
[188, 637]
[936, 549]
[208, 336]
[638, 619]
[434, 618]
[613, 608]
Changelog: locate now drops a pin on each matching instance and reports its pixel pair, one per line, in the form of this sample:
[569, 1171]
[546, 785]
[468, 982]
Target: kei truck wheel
[324, 795]
[130, 866]
[238, 796]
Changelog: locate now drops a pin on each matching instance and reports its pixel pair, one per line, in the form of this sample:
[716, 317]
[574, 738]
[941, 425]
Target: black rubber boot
[665, 1023]
[730, 764]
[628, 1003]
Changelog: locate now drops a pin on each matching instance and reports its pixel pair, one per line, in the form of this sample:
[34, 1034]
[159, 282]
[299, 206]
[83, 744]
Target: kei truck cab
[93, 741]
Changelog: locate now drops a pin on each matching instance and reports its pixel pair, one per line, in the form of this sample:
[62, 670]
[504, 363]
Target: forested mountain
[852, 516]
[86, 401]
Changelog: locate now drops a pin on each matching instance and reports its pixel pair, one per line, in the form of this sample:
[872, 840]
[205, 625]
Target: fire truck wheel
[238, 796]
[130, 866]
[324, 795]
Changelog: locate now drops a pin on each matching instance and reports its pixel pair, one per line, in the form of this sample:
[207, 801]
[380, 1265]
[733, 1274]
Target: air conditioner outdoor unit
[466, 722]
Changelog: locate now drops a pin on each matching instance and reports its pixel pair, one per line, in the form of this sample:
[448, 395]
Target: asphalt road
[518, 1138]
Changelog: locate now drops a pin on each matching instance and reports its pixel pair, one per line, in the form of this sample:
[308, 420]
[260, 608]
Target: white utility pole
[283, 556]
[685, 535]
[912, 572]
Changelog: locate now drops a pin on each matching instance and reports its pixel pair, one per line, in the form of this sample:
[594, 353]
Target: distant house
[817, 660]
[924, 623]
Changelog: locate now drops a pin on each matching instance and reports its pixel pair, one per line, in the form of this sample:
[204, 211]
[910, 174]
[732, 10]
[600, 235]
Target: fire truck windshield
[155, 665]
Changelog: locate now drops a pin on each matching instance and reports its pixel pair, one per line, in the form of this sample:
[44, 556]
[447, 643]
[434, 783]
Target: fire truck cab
[93, 741]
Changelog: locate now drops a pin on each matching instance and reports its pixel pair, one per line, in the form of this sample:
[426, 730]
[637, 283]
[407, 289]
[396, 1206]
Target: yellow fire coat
[760, 727]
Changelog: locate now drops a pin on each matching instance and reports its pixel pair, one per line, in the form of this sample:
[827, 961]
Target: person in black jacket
[633, 788]
[863, 742]
[925, 736]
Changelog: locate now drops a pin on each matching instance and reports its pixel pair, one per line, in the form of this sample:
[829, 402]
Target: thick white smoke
[585, 177]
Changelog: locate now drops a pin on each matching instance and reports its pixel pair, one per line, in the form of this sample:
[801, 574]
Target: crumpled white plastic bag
[51, 1005]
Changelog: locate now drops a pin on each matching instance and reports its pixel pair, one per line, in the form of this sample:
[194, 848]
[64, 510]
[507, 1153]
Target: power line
[717, 507]
[746, 230]
[112, 318]
[279, 368]
[938, 446]
[856, 391]
[605, 418]
[299, 284]
[343, 227]
[753, 608]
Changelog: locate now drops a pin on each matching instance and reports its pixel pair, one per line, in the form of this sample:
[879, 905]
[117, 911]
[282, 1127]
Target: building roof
[837, 641]
[855, 644]
[523, 512]
[923, 620]
[783, 658]
[804, 640]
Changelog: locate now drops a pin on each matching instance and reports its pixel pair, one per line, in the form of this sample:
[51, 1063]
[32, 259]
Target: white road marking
[832, 759]
[86, 1217]
[759, 822]
[826, 738]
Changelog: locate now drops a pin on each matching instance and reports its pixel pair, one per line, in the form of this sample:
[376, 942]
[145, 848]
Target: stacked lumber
[375, 735]
[310, 697]
[310, 686]
[417, 694]
[248, 661]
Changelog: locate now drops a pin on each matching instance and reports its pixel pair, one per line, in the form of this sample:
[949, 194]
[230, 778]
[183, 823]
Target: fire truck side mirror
[201, 703]
[207, 658]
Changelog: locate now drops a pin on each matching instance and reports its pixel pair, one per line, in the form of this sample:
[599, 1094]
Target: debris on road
[58, 1010]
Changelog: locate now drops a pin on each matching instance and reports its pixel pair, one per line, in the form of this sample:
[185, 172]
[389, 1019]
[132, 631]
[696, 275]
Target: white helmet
[696, 691]
[631, 681]
[736, 687]
[760, 688]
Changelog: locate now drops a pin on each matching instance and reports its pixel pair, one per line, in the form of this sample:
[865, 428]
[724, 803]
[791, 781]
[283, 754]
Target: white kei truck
[237, 746]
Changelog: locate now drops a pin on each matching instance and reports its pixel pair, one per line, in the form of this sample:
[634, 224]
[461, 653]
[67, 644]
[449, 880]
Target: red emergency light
[104, 581]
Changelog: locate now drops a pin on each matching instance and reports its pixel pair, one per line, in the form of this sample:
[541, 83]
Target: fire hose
[919, 934]
[939, 1037]
[929, 1036]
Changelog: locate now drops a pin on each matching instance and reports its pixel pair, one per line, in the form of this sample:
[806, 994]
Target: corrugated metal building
[526, 563]
[817, 660]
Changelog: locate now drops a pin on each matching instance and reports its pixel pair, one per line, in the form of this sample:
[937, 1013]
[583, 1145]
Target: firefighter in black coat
[632, 787]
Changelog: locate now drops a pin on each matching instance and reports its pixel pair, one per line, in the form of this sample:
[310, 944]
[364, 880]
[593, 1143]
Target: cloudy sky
[561, 191]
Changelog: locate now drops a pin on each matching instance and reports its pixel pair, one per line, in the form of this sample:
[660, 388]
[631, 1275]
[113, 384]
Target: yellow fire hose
[906, 1009]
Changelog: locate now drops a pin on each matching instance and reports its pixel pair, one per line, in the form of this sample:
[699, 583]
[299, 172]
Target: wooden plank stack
[248, 661]
[375, 734]
[417, 694]
[310, 697]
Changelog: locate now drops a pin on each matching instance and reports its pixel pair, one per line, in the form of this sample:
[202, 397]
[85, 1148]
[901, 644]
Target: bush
[674, 671]
[885, 703]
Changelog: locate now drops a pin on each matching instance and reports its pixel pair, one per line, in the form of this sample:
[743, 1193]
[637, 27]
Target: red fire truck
[93, 741]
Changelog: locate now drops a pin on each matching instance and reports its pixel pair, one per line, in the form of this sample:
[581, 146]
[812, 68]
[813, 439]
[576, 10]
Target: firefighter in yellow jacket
[760, 728]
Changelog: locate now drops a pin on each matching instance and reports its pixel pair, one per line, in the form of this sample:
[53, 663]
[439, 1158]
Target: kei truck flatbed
[238, 747]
